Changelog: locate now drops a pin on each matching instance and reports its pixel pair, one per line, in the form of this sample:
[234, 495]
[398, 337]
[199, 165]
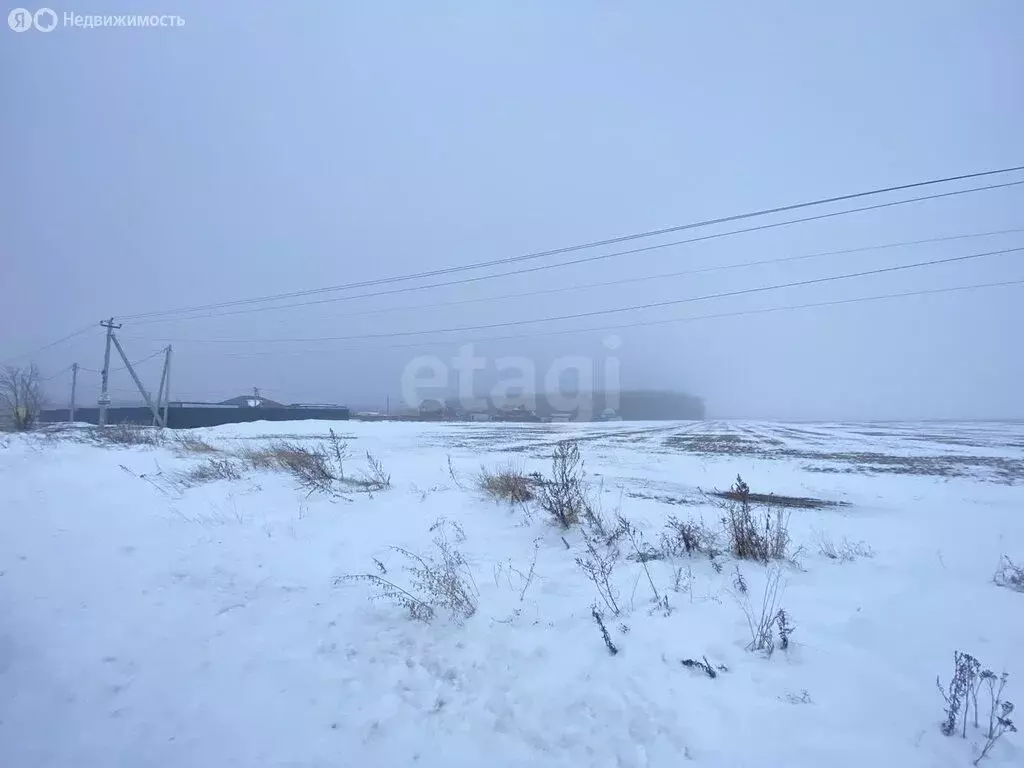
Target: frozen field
[152, 617]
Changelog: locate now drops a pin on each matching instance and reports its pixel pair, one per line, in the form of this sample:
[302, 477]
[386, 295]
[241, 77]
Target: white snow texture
[144, 623]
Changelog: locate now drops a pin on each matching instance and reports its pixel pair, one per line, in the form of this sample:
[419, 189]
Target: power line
[65, 369]
[124, 367]
[628, 280]
[135, 391]
[592, 244]
[583, 260]
[632, 308]
[137, 362]
[664, 321]
[61, 340]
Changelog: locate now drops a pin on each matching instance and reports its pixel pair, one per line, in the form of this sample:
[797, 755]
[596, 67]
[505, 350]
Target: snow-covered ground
[144, 623]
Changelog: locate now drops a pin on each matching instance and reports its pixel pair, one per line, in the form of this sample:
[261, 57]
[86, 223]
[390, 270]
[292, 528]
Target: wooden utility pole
[74, 384]
[104, 400]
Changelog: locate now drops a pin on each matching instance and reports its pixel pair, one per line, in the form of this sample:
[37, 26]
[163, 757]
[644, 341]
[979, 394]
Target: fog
[263, 148]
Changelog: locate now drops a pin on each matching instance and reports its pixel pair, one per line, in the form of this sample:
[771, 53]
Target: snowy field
[153, 615]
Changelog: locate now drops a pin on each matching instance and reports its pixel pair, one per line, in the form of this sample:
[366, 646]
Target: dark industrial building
[184, 415]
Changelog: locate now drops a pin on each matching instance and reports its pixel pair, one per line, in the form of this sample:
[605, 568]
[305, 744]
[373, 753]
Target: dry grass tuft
[507, 483]
[438, 580]
[279, 455]
[128, 435]
[762, 537]
[309, 466]
[187, 443]
[1009, 574]
[211, 470]
[768, 619]
[844, 552]
[320, 469]
[687, 537]
[564, 495]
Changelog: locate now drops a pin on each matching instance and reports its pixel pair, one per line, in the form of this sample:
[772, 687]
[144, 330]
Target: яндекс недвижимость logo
[22, 20]
[47, 20]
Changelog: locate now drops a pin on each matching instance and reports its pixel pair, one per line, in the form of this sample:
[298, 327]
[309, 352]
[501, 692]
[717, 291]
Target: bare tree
[21, 395]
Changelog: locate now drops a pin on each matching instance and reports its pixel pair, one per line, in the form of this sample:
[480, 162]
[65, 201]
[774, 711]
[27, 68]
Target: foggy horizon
[251, 153]
[505, 384]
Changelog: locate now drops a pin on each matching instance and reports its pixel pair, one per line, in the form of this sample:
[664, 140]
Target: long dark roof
[244, 400]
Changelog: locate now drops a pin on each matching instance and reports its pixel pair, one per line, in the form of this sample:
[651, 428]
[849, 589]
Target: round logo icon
[45, 20]
[20, 20]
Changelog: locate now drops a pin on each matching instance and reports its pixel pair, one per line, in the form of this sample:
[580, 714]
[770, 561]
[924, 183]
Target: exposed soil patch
[727, 444]
[951, 465]
[629, 436]
[946, 440]
[311, 436]
[992, 468]
[775, 500]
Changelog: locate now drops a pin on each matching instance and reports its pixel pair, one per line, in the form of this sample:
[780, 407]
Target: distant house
[516, 413]
[431, 409]
[368, 416]
[251, 401]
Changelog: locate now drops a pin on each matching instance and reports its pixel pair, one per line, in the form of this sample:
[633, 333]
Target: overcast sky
[264, 148]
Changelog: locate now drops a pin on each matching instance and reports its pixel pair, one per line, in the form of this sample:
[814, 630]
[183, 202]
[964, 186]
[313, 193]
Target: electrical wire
[592, 313]
[583, 260]
[138, 362]
[646, 323]
[124, 367]
[609, 241]
[627, 280]
[61, 340]
[65, 369]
